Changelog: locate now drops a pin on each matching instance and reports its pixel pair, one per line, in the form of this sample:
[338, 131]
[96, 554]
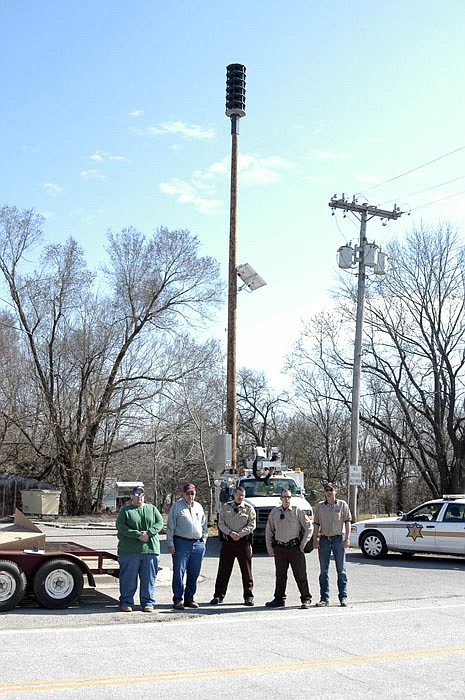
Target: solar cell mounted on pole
[235, 109]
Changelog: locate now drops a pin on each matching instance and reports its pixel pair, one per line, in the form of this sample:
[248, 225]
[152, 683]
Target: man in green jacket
[138, 525]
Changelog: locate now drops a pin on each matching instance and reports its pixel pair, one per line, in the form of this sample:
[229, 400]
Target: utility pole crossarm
[364, 209]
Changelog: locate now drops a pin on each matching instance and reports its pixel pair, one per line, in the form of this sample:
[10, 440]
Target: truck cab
[263, 486]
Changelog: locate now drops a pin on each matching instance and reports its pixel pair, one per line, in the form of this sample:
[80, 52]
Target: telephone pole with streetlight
[365, 255]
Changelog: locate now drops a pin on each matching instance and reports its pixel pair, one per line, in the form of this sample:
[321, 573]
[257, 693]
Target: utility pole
[364, 212]
[235, 109]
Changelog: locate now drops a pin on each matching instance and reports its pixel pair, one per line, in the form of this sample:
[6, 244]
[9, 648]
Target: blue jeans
[334, 545]
[133, 567]
[187, 559]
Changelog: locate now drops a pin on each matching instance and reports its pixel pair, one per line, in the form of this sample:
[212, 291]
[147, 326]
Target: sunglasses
[138, 494]
[190, 493]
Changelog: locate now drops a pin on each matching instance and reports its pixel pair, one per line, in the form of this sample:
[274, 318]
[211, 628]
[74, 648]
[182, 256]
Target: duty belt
[291, 543]
[246, 538]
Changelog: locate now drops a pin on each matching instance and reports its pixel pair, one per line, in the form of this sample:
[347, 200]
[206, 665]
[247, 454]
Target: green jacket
[131, 521]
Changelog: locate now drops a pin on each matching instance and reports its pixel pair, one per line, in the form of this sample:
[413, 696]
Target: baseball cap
[329, 487]
[137, 488]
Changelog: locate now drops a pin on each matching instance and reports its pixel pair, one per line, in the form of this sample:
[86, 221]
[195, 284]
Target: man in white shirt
[186, 534]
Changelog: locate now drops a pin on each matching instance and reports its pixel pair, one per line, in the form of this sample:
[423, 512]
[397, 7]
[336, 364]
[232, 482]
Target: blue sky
[113, 115]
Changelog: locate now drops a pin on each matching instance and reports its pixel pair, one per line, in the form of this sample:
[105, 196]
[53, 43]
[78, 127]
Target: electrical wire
[419, 167]
[436, 201]
[427, 189]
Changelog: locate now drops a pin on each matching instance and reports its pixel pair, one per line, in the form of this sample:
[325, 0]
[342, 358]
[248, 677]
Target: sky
[113, 115]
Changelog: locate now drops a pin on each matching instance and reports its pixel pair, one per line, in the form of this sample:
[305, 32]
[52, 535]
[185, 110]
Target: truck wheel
[58, 583]
[12, 585]
[373, 545]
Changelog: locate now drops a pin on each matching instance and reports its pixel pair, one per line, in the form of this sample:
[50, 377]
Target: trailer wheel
[58, 583]
[12, 585]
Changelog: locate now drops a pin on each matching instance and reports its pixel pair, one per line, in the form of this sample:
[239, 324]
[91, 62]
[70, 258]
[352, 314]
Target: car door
[450, 530]
[417, 532]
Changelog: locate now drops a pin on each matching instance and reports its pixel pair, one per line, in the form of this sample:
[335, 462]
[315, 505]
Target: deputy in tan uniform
[287, 532]
[332, 531]
[236, 524]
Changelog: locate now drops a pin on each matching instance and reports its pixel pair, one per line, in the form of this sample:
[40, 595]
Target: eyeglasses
[190, 493]
[139, 495]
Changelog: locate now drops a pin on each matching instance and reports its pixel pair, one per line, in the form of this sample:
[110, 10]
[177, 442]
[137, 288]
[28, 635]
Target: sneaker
[178, 606]
[322, 604]
[216, 600]
[147, 608]
[343, 602]
[249, 602]
[125, 608]
[275, 603]
[190, 604]
[306, 604]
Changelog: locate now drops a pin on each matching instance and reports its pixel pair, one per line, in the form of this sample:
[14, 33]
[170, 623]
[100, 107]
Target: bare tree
[321, 397]
[96, 359]
[257, 410]
[412, 398]
[415, 350]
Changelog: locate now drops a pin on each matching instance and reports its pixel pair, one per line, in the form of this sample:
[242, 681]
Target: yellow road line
[210, 673]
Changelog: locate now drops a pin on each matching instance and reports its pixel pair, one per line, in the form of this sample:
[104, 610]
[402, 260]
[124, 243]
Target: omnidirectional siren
[235, 90]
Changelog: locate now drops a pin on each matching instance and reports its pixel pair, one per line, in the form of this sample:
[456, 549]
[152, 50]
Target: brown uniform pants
[283, 556]
[230, 551]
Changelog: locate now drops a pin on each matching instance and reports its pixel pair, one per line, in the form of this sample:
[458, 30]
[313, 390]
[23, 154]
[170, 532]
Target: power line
[427, 189]
[419, 167]
[436, 201]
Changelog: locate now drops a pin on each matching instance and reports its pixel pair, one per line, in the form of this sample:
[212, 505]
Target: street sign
[355, 475]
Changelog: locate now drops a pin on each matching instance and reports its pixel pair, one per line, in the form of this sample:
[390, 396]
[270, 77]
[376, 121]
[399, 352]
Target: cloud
[251, 170]
[187, 193]
[102, 157]
[201, 190]
[330, 155]
[179, 128]
[93, 174]
[136, 113]
[367, 179]
[255, 171]
[52, 189]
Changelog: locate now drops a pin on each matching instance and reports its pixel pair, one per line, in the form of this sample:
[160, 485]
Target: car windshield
[273, 487]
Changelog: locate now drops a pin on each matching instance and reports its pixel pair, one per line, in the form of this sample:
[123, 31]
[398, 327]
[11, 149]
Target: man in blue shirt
[186, 534]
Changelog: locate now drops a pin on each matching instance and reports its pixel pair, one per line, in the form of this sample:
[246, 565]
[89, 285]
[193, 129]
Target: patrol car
[436, 526]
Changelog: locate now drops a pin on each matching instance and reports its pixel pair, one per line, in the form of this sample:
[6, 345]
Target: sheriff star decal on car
[414, 531]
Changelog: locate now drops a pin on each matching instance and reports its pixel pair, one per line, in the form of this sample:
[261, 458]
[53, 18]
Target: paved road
[403, 633]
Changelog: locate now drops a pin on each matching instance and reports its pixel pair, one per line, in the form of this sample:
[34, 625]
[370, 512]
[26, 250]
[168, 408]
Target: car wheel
[373, 545]
[12, 585]
[58, 583]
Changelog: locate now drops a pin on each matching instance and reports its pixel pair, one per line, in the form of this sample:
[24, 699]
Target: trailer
[55, 575]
